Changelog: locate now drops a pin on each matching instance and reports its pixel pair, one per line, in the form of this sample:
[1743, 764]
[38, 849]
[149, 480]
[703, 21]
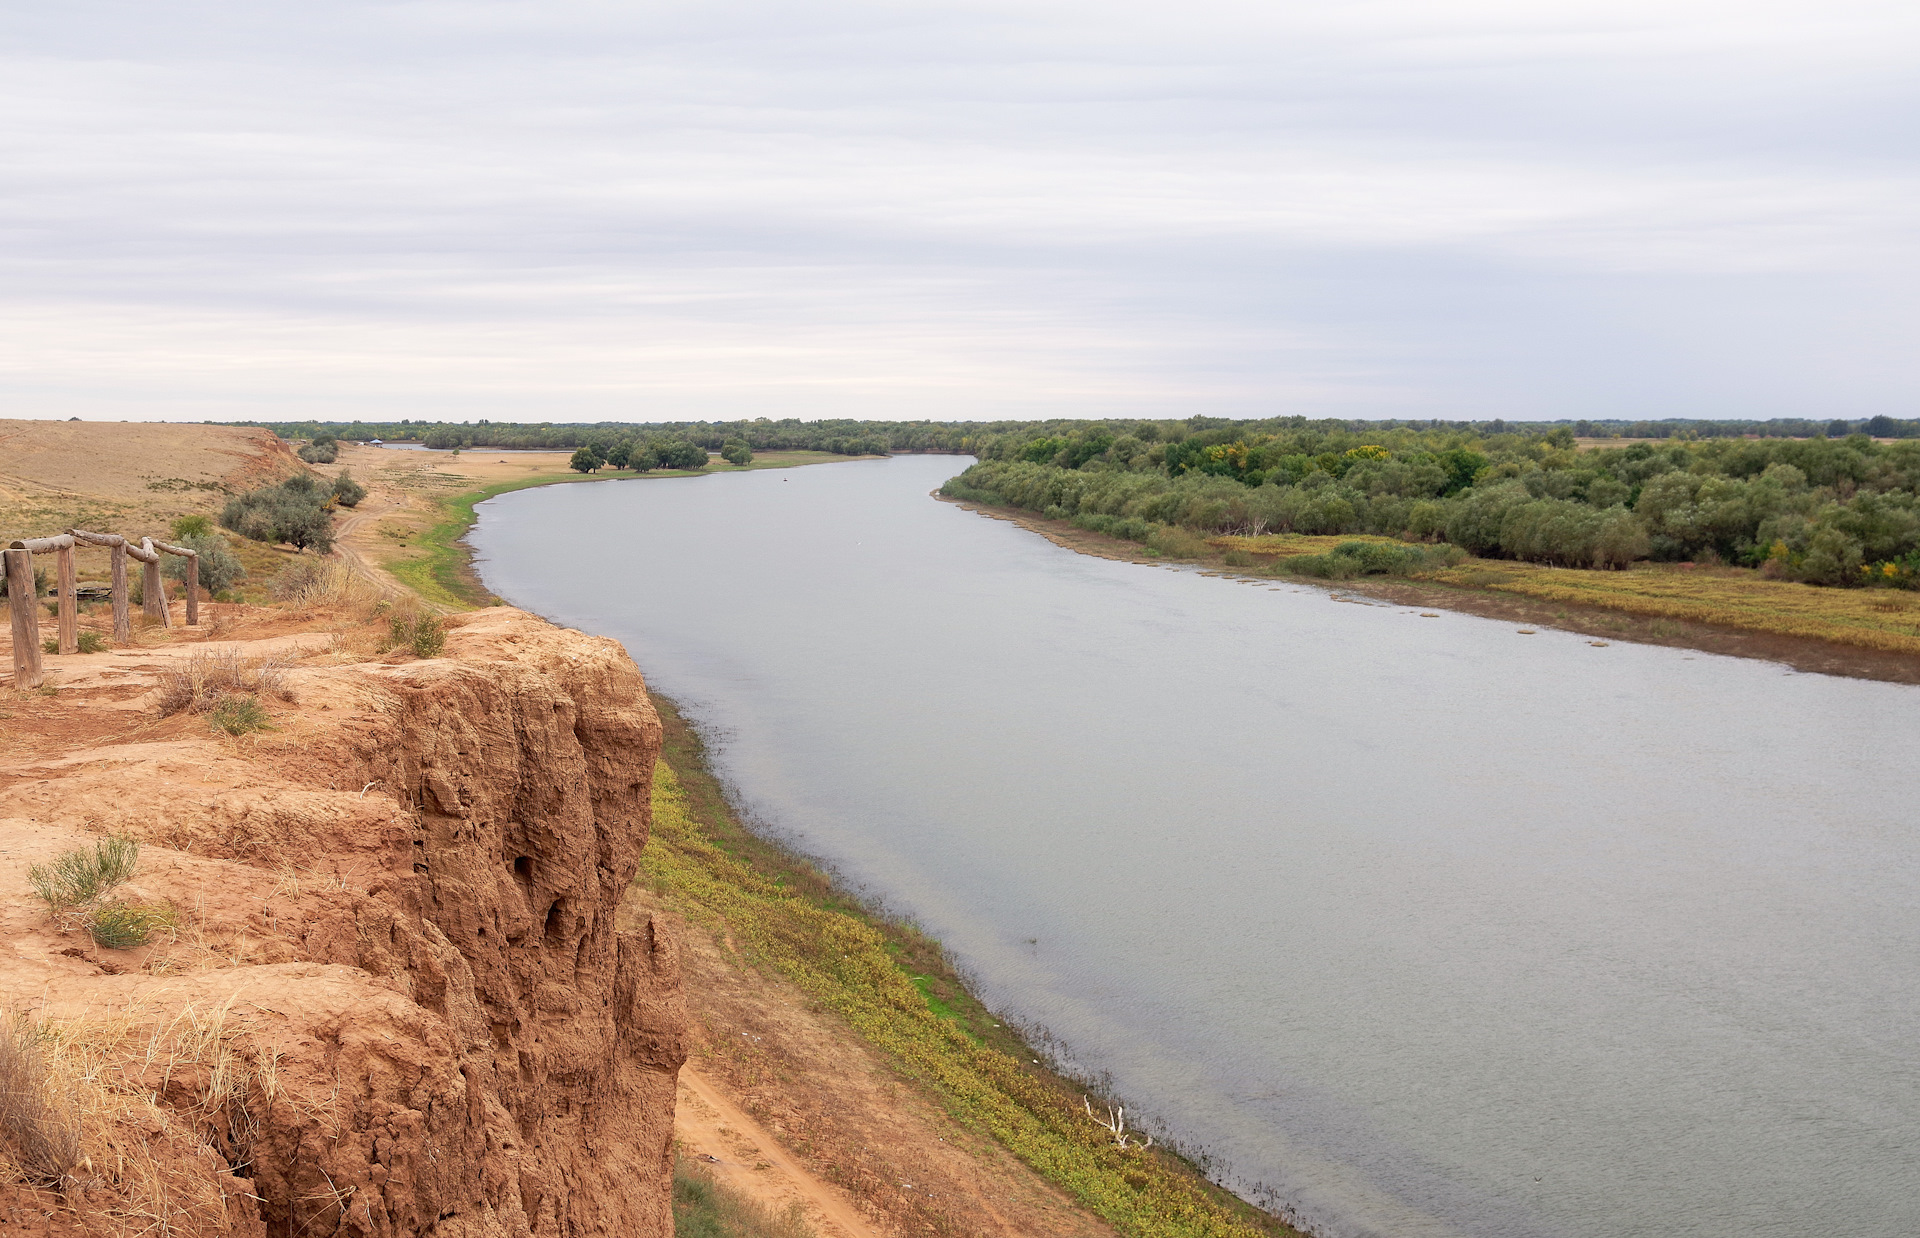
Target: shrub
[320, 453]
[1350, 559]
[736, 452]
[82, 876]
[42, 1134]
[39, 582]
[1176, 542]
[89, 642]
[424, 635]
[220, 568]
[346, 491]
[208, 678]
[122, 926]
[191, 526]
[297, 512]
[238, 714]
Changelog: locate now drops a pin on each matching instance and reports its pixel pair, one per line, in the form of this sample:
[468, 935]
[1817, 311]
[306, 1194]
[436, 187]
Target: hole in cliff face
[556, 920]
[523, 869]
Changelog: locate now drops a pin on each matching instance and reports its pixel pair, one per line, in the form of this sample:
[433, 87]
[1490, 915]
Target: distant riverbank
[1859, 633]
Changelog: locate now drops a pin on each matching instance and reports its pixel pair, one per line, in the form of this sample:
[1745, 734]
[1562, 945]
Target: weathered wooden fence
[24, 605]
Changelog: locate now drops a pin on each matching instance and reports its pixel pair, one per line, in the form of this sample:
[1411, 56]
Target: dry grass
[307, 583]
[210, 677]
[148, 1093]
[1272, 546]
[41, 1134]
[1725, 597]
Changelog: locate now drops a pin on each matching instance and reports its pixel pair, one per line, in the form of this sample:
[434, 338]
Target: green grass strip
[878, 978]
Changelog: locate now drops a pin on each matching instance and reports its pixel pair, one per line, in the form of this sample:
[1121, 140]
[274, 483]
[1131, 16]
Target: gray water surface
[1415, 926]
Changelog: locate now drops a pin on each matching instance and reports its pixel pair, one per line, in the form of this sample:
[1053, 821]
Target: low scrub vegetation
[422, 635]
[297, 512]
[78, 887]
[208, 678]
[1842, 512]
[703, 1208]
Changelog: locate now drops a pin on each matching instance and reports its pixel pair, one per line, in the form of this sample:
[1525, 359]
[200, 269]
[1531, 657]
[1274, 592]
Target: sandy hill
[130, 477]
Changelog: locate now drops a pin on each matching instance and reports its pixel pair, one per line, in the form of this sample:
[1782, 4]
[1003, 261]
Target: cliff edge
[395, 1001]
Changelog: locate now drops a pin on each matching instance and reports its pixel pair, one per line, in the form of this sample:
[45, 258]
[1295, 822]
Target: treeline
[1015, 439]
[1823, 510]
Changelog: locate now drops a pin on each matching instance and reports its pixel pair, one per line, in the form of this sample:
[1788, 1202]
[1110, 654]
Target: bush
[736, 453]
[298, 512]
[89, 642]
[321, 582]
[346, 491]
[239, 714]
[220, 568]
[82, 876]
[424, 635]
[1350, 559]
[39, 582]
[320, 453]
[191, 526]
[122, 926]
[1176, 542]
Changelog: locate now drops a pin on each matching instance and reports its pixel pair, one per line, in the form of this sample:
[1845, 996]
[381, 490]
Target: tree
[736, 452]
[584, 460]
[617, 455]
[682, 455]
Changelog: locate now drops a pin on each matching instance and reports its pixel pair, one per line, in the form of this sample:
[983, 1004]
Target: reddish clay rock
[410, 893]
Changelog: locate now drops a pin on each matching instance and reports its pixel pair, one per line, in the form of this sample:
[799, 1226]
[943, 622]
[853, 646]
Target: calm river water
[1415, 926]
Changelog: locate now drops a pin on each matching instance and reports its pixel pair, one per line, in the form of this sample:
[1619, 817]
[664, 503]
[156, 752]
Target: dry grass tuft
[323, 582]
[208, 678]
[42, 1135]
[164, 1104]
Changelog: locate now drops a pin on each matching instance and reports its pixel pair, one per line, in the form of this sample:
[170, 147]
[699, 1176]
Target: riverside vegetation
[894, 988]
[1726, 532]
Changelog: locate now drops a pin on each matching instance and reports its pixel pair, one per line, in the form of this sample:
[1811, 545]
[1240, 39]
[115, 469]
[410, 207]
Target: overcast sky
[579, 211]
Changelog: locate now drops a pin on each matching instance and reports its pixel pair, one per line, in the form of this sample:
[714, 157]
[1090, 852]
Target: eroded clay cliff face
[413, 886]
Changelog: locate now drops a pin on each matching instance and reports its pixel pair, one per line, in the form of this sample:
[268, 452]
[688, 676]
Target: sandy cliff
[398, 1003]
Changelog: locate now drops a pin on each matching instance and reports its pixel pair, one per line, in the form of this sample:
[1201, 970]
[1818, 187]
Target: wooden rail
[24, 606]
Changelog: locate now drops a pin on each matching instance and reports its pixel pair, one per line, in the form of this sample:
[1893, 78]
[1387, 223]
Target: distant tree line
[1007, 439]
[1823, 510]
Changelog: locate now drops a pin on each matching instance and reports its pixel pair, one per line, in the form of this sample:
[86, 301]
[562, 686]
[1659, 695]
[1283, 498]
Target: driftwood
[24, 610]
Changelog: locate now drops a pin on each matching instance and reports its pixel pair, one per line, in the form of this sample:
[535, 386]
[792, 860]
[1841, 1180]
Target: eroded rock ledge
[399, 917]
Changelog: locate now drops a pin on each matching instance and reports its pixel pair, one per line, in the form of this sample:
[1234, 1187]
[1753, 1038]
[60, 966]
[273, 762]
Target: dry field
[131, 478]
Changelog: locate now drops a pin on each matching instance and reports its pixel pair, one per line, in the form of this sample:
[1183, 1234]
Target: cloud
[580, 211]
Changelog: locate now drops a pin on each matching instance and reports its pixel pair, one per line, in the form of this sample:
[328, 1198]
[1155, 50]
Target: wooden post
[122, 626]
[24, 610]
[193, 577]
[69, 604]
[153, 587]
[122, 622]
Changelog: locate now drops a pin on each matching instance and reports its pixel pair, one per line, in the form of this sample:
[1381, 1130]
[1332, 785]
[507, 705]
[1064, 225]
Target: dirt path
[743, 1156]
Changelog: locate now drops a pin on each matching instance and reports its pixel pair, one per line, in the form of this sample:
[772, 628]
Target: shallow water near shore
[1414, 926]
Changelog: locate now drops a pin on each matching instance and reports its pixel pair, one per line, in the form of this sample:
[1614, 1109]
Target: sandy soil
[792, 1106]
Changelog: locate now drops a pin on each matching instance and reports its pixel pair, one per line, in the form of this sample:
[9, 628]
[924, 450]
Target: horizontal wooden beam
[41, 545]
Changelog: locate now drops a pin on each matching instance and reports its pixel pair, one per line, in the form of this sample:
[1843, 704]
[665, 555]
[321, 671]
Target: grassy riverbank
[892, 987]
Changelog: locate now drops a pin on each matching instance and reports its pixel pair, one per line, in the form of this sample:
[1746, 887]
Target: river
[1413, 926]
